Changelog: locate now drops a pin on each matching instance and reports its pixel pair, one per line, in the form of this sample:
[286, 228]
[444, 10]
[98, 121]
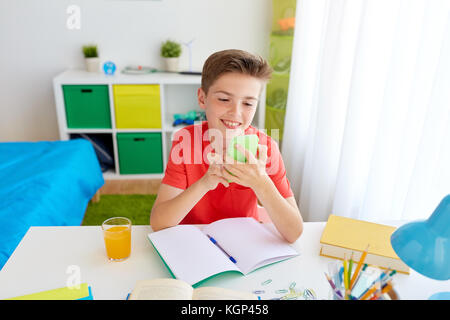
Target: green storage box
[87, 106]
[140, 152]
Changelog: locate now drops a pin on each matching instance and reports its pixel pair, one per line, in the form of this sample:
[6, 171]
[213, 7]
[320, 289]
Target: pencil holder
[390, 295]
[360, 283]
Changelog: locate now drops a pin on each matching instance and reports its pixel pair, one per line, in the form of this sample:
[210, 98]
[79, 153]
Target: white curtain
[367, 128]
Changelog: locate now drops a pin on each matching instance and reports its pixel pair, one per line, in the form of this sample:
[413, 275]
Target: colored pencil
[383, 276]
[358, 267]
[336, 290]
[345, 273]
[376, 295]
[387, 287]
[359, 276]
[388, 277]
[350, 266]
[384, 289]
[338, 280]
[374, 288]
[346, 280]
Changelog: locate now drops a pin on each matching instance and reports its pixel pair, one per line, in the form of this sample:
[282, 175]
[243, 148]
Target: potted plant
[171, 51]
[91, 58]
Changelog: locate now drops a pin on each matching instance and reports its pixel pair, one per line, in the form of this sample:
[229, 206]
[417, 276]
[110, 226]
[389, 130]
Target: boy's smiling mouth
[229, 124]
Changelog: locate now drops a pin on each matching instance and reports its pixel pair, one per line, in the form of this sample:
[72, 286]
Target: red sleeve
[276, 170]
[175, 174]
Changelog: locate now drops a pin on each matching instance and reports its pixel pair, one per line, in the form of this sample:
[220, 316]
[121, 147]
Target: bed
[46, 183]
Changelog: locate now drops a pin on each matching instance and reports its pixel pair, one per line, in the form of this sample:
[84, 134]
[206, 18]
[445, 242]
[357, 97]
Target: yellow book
[346, 236]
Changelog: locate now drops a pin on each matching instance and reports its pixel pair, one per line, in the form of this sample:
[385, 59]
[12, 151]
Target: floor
[143, 186]
[137, 186]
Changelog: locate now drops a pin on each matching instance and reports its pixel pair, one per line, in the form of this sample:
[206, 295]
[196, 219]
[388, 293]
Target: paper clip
[281, 291]
[289, 297]
[258, 291]
[266, 282]
[309, 294]
[292, 286]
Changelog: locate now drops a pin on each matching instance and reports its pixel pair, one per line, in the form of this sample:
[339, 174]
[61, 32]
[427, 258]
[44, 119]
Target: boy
[201, 184]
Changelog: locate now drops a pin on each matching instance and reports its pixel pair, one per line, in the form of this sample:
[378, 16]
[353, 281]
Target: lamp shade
[425, 245]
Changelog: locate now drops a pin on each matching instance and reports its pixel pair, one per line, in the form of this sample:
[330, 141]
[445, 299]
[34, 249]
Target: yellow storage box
[137, 106]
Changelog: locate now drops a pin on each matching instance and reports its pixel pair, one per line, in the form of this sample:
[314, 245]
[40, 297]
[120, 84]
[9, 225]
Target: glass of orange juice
[117, 235]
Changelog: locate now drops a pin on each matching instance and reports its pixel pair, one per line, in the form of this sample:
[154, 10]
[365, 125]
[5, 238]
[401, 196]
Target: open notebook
[236, 244]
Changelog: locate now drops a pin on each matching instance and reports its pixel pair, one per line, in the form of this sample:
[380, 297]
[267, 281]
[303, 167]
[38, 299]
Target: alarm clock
[109, 68]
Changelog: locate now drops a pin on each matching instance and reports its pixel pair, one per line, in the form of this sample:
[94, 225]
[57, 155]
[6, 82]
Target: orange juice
[118, 242]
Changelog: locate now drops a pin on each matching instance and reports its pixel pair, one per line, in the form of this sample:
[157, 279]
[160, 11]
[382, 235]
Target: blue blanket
[44, 184]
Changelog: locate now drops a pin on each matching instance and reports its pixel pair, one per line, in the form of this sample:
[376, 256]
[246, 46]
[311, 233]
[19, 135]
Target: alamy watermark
[188, 147]
[73, 21]
[74, 279]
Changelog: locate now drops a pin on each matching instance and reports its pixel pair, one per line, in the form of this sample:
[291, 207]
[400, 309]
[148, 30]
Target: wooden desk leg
[96, 197]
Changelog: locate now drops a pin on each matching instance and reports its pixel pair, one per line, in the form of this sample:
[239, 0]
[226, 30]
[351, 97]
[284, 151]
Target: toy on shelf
[189, 45]
[287, 26]
[109, 68]
[138, 69]
[190, 71]
[188, 118]
[287, 23]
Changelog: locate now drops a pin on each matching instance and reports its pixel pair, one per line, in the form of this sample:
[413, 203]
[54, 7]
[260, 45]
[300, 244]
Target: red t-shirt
[188, 163]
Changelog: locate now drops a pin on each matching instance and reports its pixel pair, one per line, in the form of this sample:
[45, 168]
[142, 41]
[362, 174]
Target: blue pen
[218, 246]
[340, 276]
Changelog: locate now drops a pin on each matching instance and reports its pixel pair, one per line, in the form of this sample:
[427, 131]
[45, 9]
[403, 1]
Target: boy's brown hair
[233, 60]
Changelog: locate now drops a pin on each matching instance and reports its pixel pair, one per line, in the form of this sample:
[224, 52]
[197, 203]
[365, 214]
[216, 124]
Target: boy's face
[230, 104]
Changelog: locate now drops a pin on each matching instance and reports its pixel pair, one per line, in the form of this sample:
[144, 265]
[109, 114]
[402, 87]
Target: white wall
[36, 45]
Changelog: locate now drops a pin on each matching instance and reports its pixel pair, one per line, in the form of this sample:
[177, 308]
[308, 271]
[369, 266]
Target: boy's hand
[250, 174]
[214, 176]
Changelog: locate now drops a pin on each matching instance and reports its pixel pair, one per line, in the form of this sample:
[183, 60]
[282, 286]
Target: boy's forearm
[170, 213]
[285, 217]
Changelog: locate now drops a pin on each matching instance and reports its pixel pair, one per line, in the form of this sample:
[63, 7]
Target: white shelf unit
[178, 94]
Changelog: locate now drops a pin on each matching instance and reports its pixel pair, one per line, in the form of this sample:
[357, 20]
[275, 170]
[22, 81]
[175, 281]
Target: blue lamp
[425, 245]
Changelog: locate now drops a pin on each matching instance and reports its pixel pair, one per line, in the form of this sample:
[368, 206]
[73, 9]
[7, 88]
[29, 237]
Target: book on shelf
[347, 236]
[193, 253]
[174, 289]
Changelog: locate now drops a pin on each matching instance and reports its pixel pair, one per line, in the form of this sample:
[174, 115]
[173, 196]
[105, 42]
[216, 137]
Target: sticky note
[66, 293]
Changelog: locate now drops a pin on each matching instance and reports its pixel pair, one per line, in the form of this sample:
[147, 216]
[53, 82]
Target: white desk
[41, 261]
